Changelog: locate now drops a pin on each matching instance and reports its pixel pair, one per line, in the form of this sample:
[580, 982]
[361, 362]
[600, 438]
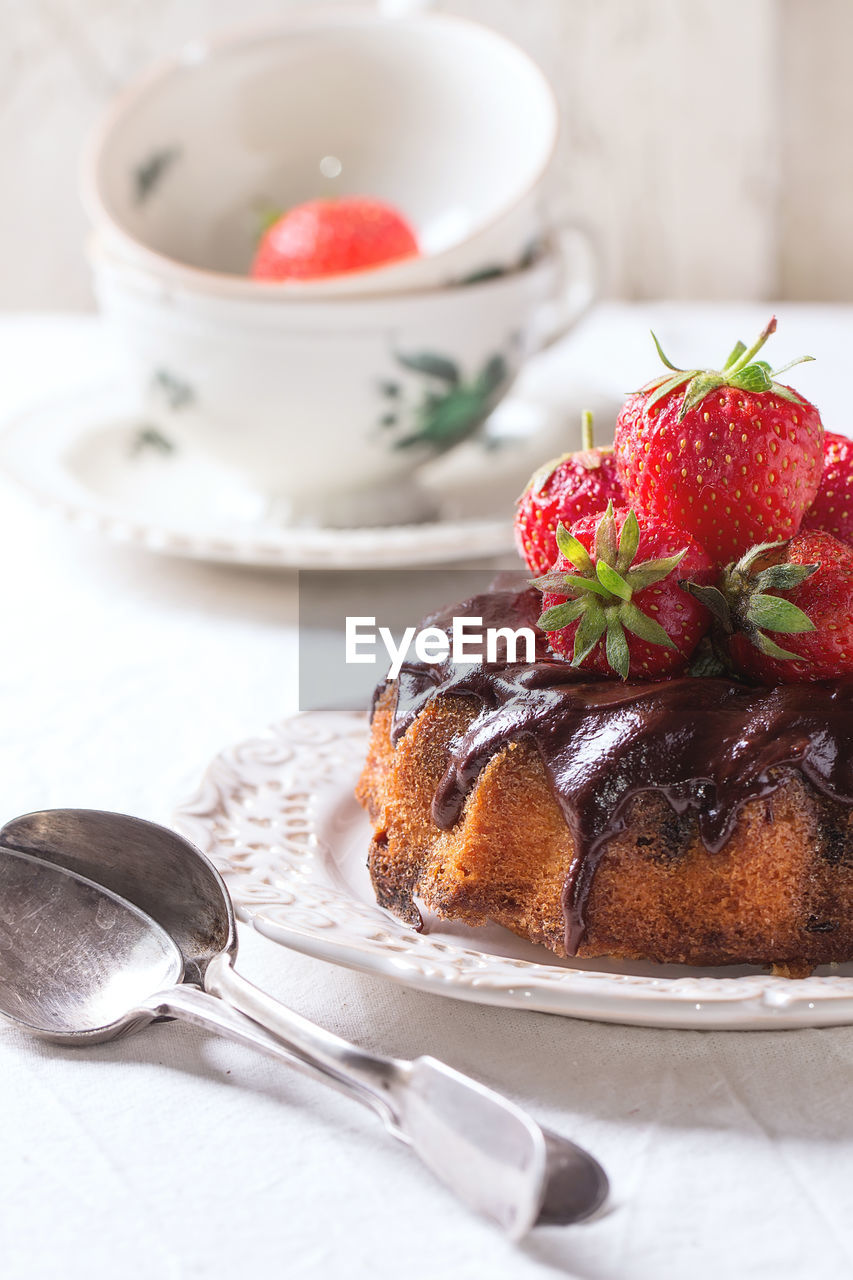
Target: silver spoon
[108, 921]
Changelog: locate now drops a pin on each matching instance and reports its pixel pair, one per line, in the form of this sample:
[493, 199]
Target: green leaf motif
[791, 364]
[492, 376]
[450, 410]
[148, 175]
[433, 366]
[148, 437]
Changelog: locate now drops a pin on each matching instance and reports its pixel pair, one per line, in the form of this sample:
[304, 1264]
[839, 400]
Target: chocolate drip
[706, 745]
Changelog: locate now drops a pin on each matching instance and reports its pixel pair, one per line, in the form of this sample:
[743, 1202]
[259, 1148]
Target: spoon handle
[371, 1073]
[190, 1004]
[480, 1144]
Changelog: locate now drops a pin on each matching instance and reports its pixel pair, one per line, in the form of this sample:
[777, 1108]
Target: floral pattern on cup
[148, 439]
[147, 175]
[171, 389]
[450, 408]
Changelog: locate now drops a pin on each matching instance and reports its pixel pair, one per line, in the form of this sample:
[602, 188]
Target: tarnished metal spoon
[108, 922]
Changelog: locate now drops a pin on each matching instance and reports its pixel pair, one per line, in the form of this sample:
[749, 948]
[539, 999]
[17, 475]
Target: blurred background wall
[706, 143]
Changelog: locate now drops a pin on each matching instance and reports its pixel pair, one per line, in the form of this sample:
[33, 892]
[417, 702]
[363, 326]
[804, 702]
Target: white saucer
[91, 459]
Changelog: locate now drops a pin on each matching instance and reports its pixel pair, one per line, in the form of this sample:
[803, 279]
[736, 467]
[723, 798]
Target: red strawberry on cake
[832, 508]
[786, 610]
[733, 457]
[563, 491]
[613, 602]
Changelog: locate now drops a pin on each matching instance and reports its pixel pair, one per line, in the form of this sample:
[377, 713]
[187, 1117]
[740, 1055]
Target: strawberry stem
[741, 370]
[587, 433]
[746, 356]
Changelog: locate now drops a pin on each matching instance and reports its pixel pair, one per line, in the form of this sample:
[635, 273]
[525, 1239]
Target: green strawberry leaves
[600, 594]
[652, 571]
[612, 581]
[561, 615]
[588, 634]
[740, 370]
[775, 613]
[629, 541]
[641, 625]
[734, 355]
[663, 387]
[606, 545]
[574, 551]
[616, 646]
[743, 601]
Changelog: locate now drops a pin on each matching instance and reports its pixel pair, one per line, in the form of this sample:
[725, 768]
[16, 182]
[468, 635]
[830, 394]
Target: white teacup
[331, 407]
[441, 117]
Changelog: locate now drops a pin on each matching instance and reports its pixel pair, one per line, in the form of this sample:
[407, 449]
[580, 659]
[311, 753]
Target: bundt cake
[691, 820]
[669, 776]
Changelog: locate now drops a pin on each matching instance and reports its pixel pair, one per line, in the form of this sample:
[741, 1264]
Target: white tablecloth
[174, 1154]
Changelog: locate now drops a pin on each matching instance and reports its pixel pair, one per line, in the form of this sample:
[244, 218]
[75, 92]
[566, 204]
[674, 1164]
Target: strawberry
[832, 509]
[329, 237]
[814, 617]
[598, 591]
[564, 490]
[732, 457]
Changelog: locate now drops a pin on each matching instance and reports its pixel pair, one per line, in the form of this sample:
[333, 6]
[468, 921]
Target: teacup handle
[576, 290]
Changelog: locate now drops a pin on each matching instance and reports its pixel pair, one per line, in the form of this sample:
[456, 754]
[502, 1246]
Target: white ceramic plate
[278, 817]
[92, 460]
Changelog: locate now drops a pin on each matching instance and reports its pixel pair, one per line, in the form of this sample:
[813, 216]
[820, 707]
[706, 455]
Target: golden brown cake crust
[779, 891]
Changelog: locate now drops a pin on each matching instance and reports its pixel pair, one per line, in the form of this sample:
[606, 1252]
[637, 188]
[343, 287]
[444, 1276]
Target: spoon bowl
[93, 985]
[146, 864]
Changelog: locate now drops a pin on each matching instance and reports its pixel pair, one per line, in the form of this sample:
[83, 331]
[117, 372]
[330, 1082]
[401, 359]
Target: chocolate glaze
[707, 745]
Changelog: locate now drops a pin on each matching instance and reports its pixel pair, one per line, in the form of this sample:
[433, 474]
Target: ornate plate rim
[279, 886]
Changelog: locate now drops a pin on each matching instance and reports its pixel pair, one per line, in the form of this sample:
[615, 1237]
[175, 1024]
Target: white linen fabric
[174, 1154]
